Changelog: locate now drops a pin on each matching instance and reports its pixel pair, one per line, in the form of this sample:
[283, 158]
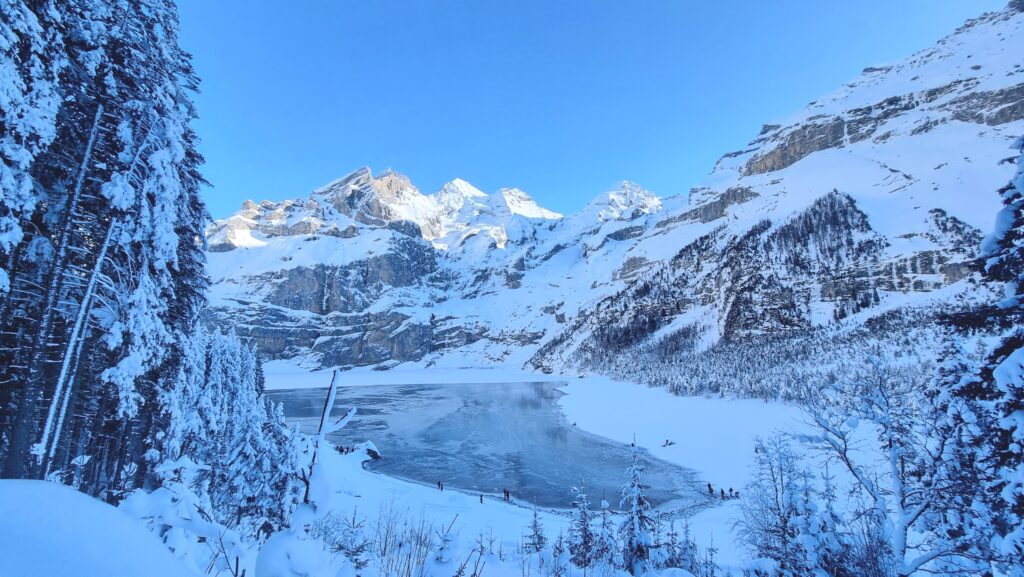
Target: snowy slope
[50, 530]
[876, 192]
[868, 201]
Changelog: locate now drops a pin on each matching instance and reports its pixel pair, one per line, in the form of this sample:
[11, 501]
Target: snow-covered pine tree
[559, 566]
[963, 510]
[286, 459]
[536, 541]
[31, 62]
[637, 530]
[679, 549]
[994, 397]
[47, 48]
[671, 549]
[106, 274]
[245, 454]
[260, 377]
[825, 546]
[260, 463]
[770, 506]
[606, 543]
[581, 534]
[821, 549]
[790, 521]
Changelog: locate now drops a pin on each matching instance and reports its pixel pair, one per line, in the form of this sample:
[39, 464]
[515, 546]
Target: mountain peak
[625, 201]
[393, 186]
[517, 201]
[459, 188]
[352, 179]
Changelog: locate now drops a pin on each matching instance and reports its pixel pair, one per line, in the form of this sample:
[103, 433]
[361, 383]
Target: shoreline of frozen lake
[483, 437]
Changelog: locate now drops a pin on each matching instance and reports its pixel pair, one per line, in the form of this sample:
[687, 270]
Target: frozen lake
[482, 438]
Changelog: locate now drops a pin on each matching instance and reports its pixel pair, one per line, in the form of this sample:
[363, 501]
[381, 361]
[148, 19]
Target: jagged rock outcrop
[356, 273]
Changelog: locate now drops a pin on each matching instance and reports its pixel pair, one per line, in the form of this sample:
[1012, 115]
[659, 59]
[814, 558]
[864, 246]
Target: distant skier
[481, 499]
[723, 493]
[710, 490]
[439, 486]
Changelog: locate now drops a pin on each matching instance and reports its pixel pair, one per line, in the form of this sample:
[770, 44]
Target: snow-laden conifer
[637, 530]
[581, 540]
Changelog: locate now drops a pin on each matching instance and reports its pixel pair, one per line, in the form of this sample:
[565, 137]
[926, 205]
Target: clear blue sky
[559, 98]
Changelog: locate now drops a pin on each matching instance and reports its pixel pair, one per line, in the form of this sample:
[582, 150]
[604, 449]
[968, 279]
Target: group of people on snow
[723, 495]
[506, 495]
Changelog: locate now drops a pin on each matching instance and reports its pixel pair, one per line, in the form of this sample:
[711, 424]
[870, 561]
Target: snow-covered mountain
[870, 200]
[367, 269]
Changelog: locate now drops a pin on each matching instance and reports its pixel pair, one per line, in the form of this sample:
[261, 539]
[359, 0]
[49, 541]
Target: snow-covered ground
[711, 435]
[50, 530]
[369, 493]
[714, 436]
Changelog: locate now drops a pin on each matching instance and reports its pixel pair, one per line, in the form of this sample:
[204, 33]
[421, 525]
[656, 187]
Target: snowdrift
[49, 530]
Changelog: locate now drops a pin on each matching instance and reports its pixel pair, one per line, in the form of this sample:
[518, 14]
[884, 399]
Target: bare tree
[883, 414]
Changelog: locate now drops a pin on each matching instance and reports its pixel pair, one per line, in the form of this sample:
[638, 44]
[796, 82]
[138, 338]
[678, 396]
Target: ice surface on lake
[486, 437]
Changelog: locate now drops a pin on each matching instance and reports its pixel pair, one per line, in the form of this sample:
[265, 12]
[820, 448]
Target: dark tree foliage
[102, 267]
[993, 398]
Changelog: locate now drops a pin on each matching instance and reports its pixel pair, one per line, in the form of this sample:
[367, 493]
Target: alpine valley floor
[714, 436]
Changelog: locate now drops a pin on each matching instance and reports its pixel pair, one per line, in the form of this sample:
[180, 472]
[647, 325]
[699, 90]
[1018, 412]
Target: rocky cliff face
[870, 200]
[369, 271]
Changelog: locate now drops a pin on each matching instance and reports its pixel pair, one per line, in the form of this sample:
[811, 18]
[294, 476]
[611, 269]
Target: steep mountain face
[368, 270]
[870, 200]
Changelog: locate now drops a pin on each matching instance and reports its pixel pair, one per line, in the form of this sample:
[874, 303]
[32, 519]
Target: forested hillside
[106, 380]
